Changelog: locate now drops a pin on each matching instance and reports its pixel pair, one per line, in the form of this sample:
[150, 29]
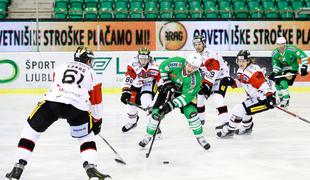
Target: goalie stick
[119, 159]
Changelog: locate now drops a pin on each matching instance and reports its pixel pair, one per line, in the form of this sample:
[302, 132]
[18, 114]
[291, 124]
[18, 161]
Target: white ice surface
[278, 149]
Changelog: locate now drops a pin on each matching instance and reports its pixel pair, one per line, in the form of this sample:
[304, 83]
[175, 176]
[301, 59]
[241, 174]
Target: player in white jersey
[139, 86]
[261, 97]
[75, 95]
[216, 79]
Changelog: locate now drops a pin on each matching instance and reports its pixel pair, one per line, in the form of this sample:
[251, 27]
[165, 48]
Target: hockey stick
[157, 127]
[119, 159]
[293, 114]
[285, 75]
[148, 109]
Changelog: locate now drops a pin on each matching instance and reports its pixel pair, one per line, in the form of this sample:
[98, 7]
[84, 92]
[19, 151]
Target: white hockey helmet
[281, 40]
[194, 59]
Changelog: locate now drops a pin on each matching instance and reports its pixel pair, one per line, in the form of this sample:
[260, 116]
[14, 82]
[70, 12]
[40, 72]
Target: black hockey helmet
[83, 55]
[244, 55]
[199, 38]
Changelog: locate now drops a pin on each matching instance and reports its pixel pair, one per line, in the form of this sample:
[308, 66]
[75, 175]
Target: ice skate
[201, 140]
[224, 130]
[130, 126]
[285, 103]
[17, 170]
[145, 141]
[93, 173]
[244, 130]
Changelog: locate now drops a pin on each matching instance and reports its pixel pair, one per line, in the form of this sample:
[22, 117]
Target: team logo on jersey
[100, 64]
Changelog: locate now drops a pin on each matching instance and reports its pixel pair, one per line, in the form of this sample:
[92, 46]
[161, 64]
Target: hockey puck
[165, 162]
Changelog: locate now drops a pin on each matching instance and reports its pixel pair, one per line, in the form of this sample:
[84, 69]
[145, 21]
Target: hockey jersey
[136, 75]
[77, 84]
[214, 67]
[253, 81]
[189, 85]
[288, 60]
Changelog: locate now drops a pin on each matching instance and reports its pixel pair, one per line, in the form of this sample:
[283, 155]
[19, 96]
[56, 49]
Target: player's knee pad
[222, 110]
[238, 110]
[201, 109]
[146, 100]
[218, 99]
[88, 145]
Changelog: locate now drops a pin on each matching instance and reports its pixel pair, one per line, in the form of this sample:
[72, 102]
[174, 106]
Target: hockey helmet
[243, 56]
[193, 62]
[144, 56]
[84, 55]
[281, 40]
[199, 38]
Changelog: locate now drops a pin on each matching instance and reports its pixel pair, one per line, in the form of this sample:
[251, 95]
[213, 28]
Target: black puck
[165, 162]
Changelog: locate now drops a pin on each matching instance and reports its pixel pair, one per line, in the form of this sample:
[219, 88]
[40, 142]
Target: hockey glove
[168, 85]
[96, 125]
[229, 81]
[304, 70]
[125, 97]
[271, 100]
[271, 76]
[156, 115]
[166, 108]
[205, 89]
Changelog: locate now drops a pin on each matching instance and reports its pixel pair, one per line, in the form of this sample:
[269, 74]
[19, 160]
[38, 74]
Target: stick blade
[120, 161]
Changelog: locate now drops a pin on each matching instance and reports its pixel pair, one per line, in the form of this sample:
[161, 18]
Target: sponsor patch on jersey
[153, 72]
[193, 81]
[175, 64]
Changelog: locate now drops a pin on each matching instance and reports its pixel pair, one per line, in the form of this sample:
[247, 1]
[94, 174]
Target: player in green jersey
[285, 67]
[181, 83]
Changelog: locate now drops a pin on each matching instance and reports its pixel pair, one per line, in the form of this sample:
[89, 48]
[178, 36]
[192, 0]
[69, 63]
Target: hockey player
[216, 79]
[285, 62]
[181, 84]
[74, 95]
[138, 85]
[261, 97]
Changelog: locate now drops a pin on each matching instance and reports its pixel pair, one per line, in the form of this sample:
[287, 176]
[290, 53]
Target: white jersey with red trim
[252, 79]
[137, 76]
[214, 67]
[77, 84]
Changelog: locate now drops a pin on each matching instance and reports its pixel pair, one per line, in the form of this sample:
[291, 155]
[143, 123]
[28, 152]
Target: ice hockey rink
[278, 148]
